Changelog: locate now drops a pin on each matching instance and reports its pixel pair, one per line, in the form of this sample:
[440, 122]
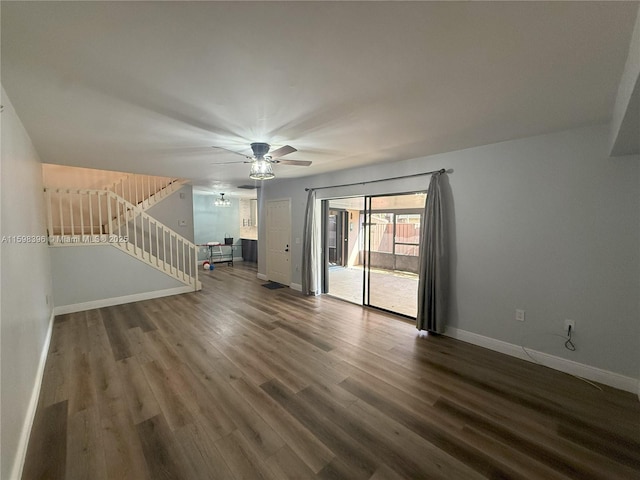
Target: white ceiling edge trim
[624, 138]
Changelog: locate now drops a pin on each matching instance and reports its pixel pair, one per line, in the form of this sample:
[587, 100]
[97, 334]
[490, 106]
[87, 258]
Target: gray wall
[85, 274]
[25, 280]
[175, 208]
[548, 224]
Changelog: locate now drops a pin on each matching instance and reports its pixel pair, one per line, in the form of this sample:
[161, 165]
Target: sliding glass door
[393, 238]
[380, 245]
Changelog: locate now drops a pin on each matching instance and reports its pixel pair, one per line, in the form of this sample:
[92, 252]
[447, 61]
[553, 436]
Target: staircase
[77, 217]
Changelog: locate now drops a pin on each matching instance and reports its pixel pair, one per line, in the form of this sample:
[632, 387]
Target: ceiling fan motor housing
[260, 149]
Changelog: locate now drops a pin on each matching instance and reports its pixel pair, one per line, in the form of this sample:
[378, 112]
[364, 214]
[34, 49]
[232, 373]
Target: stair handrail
[125, 212]
[128, 187]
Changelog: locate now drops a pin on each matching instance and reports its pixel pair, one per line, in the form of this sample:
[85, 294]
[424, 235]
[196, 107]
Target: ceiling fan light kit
[261, 170]
[261, 163]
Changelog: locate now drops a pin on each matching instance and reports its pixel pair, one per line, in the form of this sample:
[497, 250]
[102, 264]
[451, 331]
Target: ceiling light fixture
[261, 169]
[222, 202]
[262, 159]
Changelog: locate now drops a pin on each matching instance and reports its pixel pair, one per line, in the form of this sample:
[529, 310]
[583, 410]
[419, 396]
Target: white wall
[88, 274]
[25, 287]
[176, 208]
[548, 224]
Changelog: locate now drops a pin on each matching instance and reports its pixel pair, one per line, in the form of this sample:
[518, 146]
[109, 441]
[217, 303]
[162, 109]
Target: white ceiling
[149, 87]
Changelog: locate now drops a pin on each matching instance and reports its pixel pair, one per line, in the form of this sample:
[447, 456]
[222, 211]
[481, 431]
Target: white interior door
[279, 241]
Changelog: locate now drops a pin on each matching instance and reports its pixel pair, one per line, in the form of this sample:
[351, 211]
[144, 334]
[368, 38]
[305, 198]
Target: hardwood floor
[241, 382]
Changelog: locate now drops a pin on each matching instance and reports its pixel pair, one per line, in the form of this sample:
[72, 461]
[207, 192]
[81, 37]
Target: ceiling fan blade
[282, 151]
[297, 163]
[230, 163]
[231, 151]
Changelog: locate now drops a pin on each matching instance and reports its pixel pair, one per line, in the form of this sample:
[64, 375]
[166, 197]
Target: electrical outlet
[569, 323]
[520, 315]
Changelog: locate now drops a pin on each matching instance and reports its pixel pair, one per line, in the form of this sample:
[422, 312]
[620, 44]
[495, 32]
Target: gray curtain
[433, 286]
[310, 248]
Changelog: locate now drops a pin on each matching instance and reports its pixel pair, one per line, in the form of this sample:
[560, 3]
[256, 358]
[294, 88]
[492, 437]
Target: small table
[220, 252]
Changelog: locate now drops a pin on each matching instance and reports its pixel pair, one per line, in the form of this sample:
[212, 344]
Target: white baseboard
[296, 286]
[605, 377]
[262, 276]
[109, 302]
[21, 454]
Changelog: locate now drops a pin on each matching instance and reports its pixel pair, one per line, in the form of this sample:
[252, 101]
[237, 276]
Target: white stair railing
[144, 190]
[99, 217]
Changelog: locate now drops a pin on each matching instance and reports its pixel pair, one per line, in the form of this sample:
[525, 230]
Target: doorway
[374, 262]
[343, 272]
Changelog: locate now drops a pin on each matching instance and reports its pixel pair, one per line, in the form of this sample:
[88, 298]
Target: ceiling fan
[262, 160]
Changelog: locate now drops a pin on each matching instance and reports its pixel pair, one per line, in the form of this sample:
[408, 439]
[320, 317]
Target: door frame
[365, 225]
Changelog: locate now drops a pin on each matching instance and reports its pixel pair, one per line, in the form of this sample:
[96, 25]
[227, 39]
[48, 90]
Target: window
[408, 234]
[382, 232]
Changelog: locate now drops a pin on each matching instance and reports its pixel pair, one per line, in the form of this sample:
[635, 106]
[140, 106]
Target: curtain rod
[442, 170]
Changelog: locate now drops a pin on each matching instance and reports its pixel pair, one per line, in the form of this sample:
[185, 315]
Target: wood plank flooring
[241, 382]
